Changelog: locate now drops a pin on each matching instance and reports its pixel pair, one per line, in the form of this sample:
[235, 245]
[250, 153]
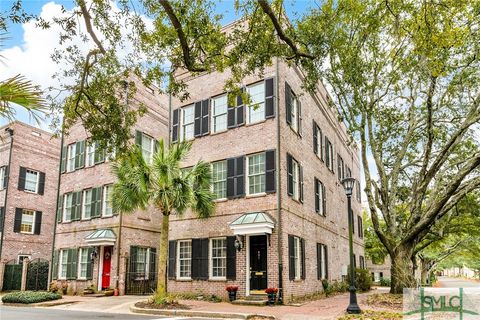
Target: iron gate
[37, 275]
[141, 277]
[12, 278]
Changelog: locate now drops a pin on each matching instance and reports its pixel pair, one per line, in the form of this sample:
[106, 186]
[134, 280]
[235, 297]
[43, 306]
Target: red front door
[107, 261]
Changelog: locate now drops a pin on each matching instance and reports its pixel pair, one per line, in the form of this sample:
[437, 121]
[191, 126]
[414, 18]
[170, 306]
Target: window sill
[218, 132]
[221, 200]
[26, 233]
[184, 279]
[30, 192]
[217, 279]
[254, 123]
[256, 195]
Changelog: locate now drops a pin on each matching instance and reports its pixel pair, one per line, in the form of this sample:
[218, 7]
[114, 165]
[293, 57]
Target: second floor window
[295, 179]
[256, 173]
[90, 161]
[31, 181]
[107, 201]
[320, 199]
[71, 152]
[219, 179]
[147, 147]
[188, 118]
[328, 154]
[87, 204]
[28, 217]
[256, 108]
[340, 168]
[219, 114]
[3, 177]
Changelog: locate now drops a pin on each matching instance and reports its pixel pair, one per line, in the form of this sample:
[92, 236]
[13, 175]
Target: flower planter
[232, 295]
[272, 297]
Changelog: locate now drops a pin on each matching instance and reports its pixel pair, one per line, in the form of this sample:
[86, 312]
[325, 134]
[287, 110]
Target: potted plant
[232, 292]
[64, 287]
[272, 295]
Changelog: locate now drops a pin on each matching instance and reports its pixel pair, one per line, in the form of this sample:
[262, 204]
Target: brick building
[281, 211]
[29, 160]
[94, 246]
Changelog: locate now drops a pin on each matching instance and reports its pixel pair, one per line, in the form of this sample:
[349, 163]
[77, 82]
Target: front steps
[253, 300]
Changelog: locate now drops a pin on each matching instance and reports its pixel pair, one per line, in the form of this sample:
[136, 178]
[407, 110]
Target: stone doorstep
[193, 313]
[248, 302]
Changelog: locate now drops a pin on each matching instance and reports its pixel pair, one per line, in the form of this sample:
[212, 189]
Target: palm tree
[162, 184]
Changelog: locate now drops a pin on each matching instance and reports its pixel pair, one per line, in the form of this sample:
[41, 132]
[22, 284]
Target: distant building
[29, 159]
[379, 271]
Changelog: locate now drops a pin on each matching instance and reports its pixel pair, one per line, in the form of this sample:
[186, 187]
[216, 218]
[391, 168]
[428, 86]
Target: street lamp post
[348, 184]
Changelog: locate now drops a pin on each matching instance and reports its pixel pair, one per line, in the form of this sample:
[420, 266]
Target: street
[23, 313]
[446, 282]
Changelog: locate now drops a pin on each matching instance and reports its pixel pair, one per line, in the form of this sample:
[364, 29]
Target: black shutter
[205, 116]
[63, 162]
[197, 125]
[55, 265]
[302, 255]
[138, 138]
[38, 222]
[231, 258]
[200, 259]
[270, 171]
[315, 137]
[291, 258]
[76, 205]
[175, 124]
[324, 197]
[299, 117]
[300, 178]
[326, 261]
[290, 174]
[21, 178]
[133, 259]
[317, 195]
[89, 275]
[5, 176]
[231, 118]
[240, 177]
[327, 153]
[72, 264]
[80, 154]
[230, 178]
[152, 267]
[172, 259]
[41, 183]
[269, 99]
[288, 103]
[240, 110]
[18, 219]
[319, 261]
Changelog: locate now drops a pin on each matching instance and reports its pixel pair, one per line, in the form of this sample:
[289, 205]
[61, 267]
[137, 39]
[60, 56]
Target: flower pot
[232, 295]
[271, 298]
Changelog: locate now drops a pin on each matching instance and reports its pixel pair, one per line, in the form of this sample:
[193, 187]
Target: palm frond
[19, 90]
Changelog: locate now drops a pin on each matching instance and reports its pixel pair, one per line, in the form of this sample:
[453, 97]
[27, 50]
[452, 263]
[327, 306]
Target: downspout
[56, 208]
[279, 193]
[2, 223]
[120, 218]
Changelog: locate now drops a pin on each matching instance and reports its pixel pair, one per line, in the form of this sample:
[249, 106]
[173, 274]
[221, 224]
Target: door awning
[253, 223]
[101, 237]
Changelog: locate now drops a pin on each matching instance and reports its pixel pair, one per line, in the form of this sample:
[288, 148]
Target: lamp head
[348, 184]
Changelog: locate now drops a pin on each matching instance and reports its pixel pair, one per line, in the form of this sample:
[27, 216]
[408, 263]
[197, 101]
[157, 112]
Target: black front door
[258, 262]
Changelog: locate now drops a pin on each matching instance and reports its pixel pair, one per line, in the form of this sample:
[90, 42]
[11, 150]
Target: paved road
[446, 282]
[27, 313]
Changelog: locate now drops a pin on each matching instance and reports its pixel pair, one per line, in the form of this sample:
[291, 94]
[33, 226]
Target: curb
[191, 313]
[38, 304]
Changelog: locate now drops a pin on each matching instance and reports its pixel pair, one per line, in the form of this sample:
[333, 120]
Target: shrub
[30, 297]
[334, 287]
[53, 287]
[363, 279]
[385, 282]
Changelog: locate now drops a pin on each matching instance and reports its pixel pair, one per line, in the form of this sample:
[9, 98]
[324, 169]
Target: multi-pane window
[107, 201]
[256, 173]
[141, 263]
[188, 118]
[2, 177]
[71, 151]
[295, 179]
[322, 260]
[219, 179]
[68, 207]
[63, 263]
[28, 216]
[22, 257]
[148, 145]
[318, 140]
[340, 168]
[184, 259]
[360, 227]
[329, 154]
[31, 181]
[83, 262]
[362, 262]
[90, 157]
[256, 108]
[320, 197]
[219, 113]
[294, 113]
[297, 257]
[87, 204]
[219, 257]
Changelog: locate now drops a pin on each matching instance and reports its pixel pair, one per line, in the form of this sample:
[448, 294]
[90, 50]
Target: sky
[27, 49]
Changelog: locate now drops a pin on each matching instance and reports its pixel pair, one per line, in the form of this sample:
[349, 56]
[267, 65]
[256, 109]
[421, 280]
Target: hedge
[27, 297]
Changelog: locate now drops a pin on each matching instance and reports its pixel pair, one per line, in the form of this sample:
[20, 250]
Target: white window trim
[60, 265]
[298, 258]
[104, 201]
[210, 260]
[2, 176]
[296, 179]
[79, 265]
[29, 257]
[152, 147]
[178, 260]
[147, 264]
[64, 209]
[91, 148]
[84, 203]
[321, 198]
[71, 148]
[182, 124]
[247, 182]
[323, 267]
[250, 107]
[33, 222]
[212, 188]
[215, 116]
[294, 113]
[37, 182]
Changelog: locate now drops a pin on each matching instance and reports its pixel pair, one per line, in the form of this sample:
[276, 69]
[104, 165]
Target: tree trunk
[162, 259]
[402, 270]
